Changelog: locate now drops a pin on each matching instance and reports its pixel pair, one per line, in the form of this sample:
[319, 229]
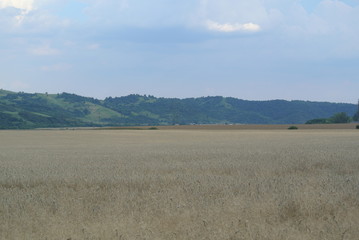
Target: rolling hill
[40, 110]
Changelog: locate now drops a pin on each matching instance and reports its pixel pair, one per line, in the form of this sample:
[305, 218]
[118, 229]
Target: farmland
[211, 183]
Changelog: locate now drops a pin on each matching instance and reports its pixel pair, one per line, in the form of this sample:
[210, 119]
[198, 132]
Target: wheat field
[179, 184]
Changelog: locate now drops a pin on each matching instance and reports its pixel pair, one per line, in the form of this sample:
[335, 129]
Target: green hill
[26, 110]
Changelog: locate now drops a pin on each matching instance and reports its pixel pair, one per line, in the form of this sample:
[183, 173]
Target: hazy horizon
[259, 100]
[253, 50]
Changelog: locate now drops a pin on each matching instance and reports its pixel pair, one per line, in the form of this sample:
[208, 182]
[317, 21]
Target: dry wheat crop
[166, 184]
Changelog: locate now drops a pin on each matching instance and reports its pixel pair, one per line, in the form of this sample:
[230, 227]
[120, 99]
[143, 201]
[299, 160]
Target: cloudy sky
[250, 49]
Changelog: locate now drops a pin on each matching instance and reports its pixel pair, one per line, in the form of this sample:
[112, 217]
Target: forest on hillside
[41, 110]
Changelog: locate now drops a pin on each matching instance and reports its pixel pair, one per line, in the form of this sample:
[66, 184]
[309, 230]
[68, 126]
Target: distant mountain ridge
[40, 110]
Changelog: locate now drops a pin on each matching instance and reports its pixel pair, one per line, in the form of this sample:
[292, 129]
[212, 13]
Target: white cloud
[26, 5]
[45, 50]
[93, 46]
[233, 11]
[246, 27]
[141, 13]
[56, 67]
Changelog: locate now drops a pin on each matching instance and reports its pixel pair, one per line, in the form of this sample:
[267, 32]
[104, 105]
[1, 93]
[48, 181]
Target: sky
[248, 49]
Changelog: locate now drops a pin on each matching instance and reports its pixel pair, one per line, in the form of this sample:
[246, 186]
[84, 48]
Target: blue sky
[249, 49]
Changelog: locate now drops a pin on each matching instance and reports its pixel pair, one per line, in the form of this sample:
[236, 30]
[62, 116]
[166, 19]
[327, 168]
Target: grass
[97, 113]
[127, 128]
[258, 126]
[166, 184]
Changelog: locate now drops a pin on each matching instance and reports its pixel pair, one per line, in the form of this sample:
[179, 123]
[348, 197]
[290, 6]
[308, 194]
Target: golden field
[179, 184]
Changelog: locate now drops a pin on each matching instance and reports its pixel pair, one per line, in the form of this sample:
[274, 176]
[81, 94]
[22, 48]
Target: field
[246, 127]
[179, 184]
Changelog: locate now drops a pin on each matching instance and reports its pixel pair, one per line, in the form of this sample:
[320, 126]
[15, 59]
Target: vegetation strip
[26, 111]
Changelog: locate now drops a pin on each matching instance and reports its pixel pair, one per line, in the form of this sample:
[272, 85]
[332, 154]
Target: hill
[38, 110]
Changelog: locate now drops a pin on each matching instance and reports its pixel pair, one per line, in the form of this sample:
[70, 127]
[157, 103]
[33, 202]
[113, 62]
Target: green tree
[340, 118]
[356, 117]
